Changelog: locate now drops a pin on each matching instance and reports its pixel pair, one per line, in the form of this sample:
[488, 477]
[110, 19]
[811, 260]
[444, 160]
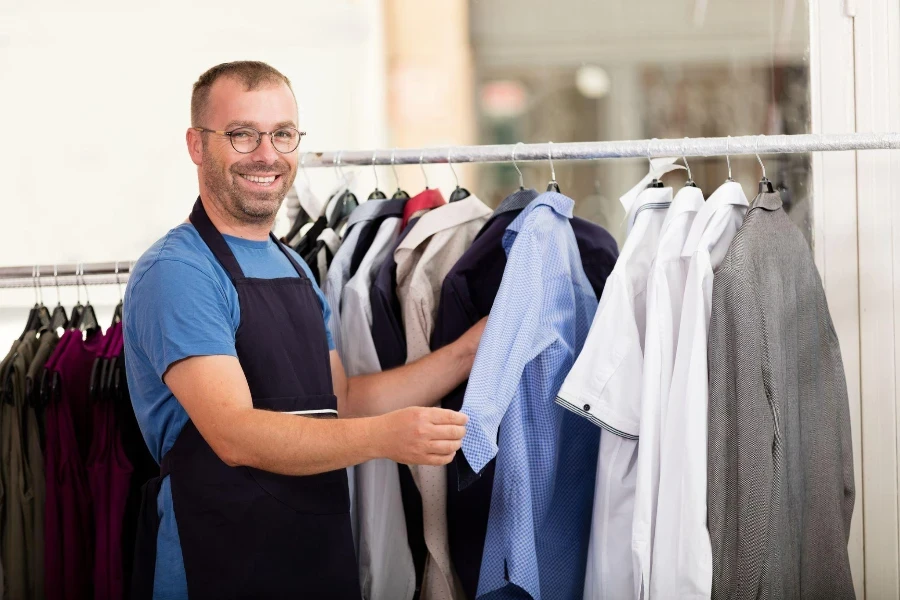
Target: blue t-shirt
[179, 303]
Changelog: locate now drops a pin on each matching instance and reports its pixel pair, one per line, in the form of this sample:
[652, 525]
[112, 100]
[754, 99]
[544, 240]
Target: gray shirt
[780, 471]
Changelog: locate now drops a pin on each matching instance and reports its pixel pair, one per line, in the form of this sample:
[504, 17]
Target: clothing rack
[105, 273]
[655, 148]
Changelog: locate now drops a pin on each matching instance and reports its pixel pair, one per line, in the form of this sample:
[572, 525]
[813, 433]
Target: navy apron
[247, 533]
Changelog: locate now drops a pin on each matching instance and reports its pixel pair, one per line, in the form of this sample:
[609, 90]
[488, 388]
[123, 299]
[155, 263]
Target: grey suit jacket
[780, 469]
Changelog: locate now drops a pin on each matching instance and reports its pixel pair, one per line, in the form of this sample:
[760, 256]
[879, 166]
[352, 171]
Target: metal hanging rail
[731, 146]
[105, 273]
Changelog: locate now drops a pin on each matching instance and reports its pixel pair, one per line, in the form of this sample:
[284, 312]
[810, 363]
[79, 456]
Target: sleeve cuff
[178, 354]
[624, 428]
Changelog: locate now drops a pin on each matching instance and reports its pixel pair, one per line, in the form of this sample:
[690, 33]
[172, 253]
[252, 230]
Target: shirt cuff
[592, 411]
[478, 449]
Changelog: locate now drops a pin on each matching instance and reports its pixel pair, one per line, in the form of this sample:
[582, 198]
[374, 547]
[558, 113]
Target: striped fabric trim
[583, 413]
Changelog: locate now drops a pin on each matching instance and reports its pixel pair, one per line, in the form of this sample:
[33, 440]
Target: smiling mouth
[263, 181]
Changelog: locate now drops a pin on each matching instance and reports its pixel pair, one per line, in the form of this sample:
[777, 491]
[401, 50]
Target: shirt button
[587, 407]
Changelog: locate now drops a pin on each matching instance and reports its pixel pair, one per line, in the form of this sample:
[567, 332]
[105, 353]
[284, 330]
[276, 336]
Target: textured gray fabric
[781, 492]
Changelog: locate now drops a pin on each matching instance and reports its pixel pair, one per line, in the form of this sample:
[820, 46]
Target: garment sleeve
[176, 311]
[520, 327]
[604, 384]
[742, 440]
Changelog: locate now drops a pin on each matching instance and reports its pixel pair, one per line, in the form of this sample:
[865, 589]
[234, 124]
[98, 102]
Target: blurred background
[96, 98]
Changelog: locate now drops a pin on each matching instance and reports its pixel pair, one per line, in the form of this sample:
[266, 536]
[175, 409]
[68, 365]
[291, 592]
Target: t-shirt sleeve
[177, 311]
[326, 310]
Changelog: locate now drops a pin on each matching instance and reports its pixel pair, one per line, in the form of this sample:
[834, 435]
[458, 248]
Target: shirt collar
[445, 217]
[426, 200]
[767, 201]
[649, 198]
[729, 193]
[561, 205]
[370, 209]
[688, 199]
[518, 200]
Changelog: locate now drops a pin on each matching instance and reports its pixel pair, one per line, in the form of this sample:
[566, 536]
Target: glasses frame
[259, 136]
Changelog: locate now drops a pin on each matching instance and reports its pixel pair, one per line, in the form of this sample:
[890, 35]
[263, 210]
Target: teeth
[262, 180]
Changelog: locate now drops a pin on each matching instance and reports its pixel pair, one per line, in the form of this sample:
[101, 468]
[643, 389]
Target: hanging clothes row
[73, 459]
[668, 422]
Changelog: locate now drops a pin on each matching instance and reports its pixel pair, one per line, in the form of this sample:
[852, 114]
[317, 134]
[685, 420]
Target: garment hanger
[553, 186]
[459, 193]
[346, 203]
[59, 319]
[399, 194]
[302, 217]
[33, 313]
[690, 179]
[78, 309]
[89, 322]
[518, 170]
[765, 186]
[422, 166]
[377, 194]
[117, 313]
[656, 183]
[38, 316]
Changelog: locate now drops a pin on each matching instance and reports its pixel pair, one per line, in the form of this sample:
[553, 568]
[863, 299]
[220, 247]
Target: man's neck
[228, 225]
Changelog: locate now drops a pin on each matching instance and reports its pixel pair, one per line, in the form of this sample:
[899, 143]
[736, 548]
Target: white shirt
[682, 555]
[665, 289]
[386, 569]
[604, 386]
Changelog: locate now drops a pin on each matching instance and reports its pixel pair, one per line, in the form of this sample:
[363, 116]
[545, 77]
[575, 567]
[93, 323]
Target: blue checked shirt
[542, 502]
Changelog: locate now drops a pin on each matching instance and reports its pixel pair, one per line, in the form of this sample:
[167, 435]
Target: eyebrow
[255, 125]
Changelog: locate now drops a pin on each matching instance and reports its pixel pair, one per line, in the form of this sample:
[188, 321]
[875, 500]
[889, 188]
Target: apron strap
[297, 267]
[215, 241]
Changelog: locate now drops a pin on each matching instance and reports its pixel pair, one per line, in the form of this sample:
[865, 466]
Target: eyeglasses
[246, 139]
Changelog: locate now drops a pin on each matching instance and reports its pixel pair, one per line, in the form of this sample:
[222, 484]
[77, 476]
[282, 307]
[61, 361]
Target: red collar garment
[426, 200]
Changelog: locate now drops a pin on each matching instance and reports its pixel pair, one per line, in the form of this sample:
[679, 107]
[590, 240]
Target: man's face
[250, 186]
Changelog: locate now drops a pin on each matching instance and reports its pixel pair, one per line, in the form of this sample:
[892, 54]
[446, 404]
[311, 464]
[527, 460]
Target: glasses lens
[286, 139]
[245, 140]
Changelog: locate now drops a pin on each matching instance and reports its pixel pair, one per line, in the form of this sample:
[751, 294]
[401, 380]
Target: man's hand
[419, 436]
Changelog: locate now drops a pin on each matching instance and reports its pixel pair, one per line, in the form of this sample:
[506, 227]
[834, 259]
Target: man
[235, 381]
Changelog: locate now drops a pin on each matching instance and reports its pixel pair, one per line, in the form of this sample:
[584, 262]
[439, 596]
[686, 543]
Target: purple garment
[109, 475]
[467, 296]
[68, 531]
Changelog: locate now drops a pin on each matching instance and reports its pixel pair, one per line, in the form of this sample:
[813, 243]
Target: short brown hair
[253, 74]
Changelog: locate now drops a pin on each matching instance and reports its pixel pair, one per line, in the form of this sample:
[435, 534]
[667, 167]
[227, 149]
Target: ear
[194, 141]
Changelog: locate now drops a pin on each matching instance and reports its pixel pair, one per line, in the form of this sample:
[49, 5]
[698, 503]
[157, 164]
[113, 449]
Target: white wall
[95, 102]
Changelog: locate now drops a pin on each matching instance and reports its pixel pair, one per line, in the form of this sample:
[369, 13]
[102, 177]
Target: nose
[265, 152]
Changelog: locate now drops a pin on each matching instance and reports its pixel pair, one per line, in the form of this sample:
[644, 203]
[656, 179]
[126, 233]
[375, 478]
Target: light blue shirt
[541, 507]
[179, 303]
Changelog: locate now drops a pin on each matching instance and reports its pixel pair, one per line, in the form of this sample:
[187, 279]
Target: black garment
[467, 295]
[391, 208]
[308, 242]
[248, 533]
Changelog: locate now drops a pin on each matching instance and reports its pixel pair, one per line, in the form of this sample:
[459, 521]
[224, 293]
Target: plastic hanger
[765, 186]
[459, 193]
[728, 158]
[59, 319]
[399, 194]
[422, 166]
[346, 203]
[302, 217]
[656, 183]
[377, 194]
[78, 309]
[553, 186]
[117, 313]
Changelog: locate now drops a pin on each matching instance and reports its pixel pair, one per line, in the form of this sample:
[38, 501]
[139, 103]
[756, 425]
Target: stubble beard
[252, 208]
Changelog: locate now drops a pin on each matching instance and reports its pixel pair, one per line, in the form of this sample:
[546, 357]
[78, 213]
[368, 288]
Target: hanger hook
[87, 295]
[118, 281]
[422, 166]
[450, 164]
[684, 158]
[37, 271]
[303, 168]
[56, 279]
[759, 159]
[394, 169]
[374, 170]
[727, 157]
[649, 160]
[550, 158]
[34, 283]
[516, 165]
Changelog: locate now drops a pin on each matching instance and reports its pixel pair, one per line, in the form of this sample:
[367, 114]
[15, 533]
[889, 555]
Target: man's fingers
[443, 447]
[448, 432]
[442, 416]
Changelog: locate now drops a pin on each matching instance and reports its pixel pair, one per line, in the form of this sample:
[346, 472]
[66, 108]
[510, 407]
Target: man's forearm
[297, 445]
[421, 383]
